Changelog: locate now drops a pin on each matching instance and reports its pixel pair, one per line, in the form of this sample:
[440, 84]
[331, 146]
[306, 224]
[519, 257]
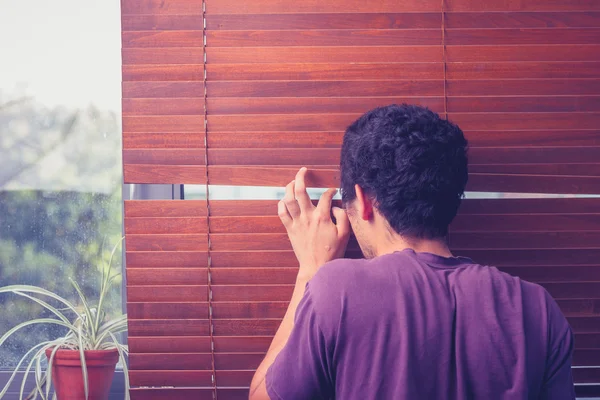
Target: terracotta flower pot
[67, 376]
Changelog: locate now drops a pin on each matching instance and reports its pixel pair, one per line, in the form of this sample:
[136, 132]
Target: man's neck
[398, 243]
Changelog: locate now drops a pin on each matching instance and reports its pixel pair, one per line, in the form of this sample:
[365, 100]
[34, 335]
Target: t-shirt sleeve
[558, 379]
[302, 370]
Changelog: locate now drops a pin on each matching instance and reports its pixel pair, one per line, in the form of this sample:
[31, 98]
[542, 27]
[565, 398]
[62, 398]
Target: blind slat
[366, 88]
[159, 72]
[522, 36]
[169, 344]
[521, 19]
[336, 20]
[327, 37]
[167, 174]
[525, 5]
[181, 310]
[317, 6]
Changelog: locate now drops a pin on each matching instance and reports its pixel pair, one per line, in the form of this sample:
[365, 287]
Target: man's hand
[315, 238]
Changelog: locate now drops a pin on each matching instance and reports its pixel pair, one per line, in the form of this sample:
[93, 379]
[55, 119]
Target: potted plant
[83, 361]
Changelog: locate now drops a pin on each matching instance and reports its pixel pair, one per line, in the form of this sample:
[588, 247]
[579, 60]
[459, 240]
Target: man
[411, 321]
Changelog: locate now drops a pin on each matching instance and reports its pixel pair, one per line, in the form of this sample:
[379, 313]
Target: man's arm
[316, 239]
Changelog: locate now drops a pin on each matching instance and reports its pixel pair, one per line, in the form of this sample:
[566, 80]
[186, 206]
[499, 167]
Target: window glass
[60, 140]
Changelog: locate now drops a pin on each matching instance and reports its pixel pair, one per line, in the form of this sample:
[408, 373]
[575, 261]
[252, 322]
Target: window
[60, 140]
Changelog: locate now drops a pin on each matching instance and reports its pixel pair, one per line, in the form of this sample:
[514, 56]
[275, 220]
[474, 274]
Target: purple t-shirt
[418, 326]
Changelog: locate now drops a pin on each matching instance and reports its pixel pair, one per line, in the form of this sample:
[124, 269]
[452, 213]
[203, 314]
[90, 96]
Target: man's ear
[363, 204]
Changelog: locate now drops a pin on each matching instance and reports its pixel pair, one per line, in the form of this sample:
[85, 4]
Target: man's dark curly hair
[411, 162]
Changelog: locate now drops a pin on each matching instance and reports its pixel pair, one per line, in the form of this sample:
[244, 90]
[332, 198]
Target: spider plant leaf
[124, 362]
[47, 306]
[18, 367]
[37, 290]
[83, 366]
[49, 369]
[86, 309]
[32, 322]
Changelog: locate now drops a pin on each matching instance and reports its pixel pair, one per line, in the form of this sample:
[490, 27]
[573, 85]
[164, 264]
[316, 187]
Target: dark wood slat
[170, 242]
[258, 310]
[583, 324]
[522, 36]
[170, 106]
[326, 88]
[167, 277]
[269, 176]
[252, 293]
[170, 294]
[523, 87]
[459, 241]
[547, 257]
[178, 378]
[164, 208]
[168, 174]
[221, 140]
[297, 122]
[251, 276]
[163, 72]
[571, 170]
[571, 290]
[326, 37]
[178, 140]
[321, 71]
[164, 156]
[580, 308]
[171, 394]
[198, 310]
[310, 154]
[583, 391]
[586, 375]
[241, 344]
[526, 5]
[163, 89]
[517, 121]
[162, 55]
[269, 223]
[530, 257]
[169, 344]
[485, 182]
[163, 22]
[333, 122]
[576, 19]
[511, 53]
[224, 208]
[316, 6]
[523, 70]
[160, 361]
[234, 378]
[280, 22]
[170, 327]
[329, 54]
[586, 357]
[533, 183]
[228, 361]
[524, 104]
[166, 259]
[246, 327]
[154, 38]
[165, 225]
[545, 138]
[159, 124]
[136, 7]
[290, 105]
[530, 206]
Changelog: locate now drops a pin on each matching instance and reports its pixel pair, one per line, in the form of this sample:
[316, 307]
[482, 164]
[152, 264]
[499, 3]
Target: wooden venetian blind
[270, 85]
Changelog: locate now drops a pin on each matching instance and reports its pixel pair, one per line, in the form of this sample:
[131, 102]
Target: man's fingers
[300, 191]
[341, 221]
[324, 204]
[290, 201]
[284, 215]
